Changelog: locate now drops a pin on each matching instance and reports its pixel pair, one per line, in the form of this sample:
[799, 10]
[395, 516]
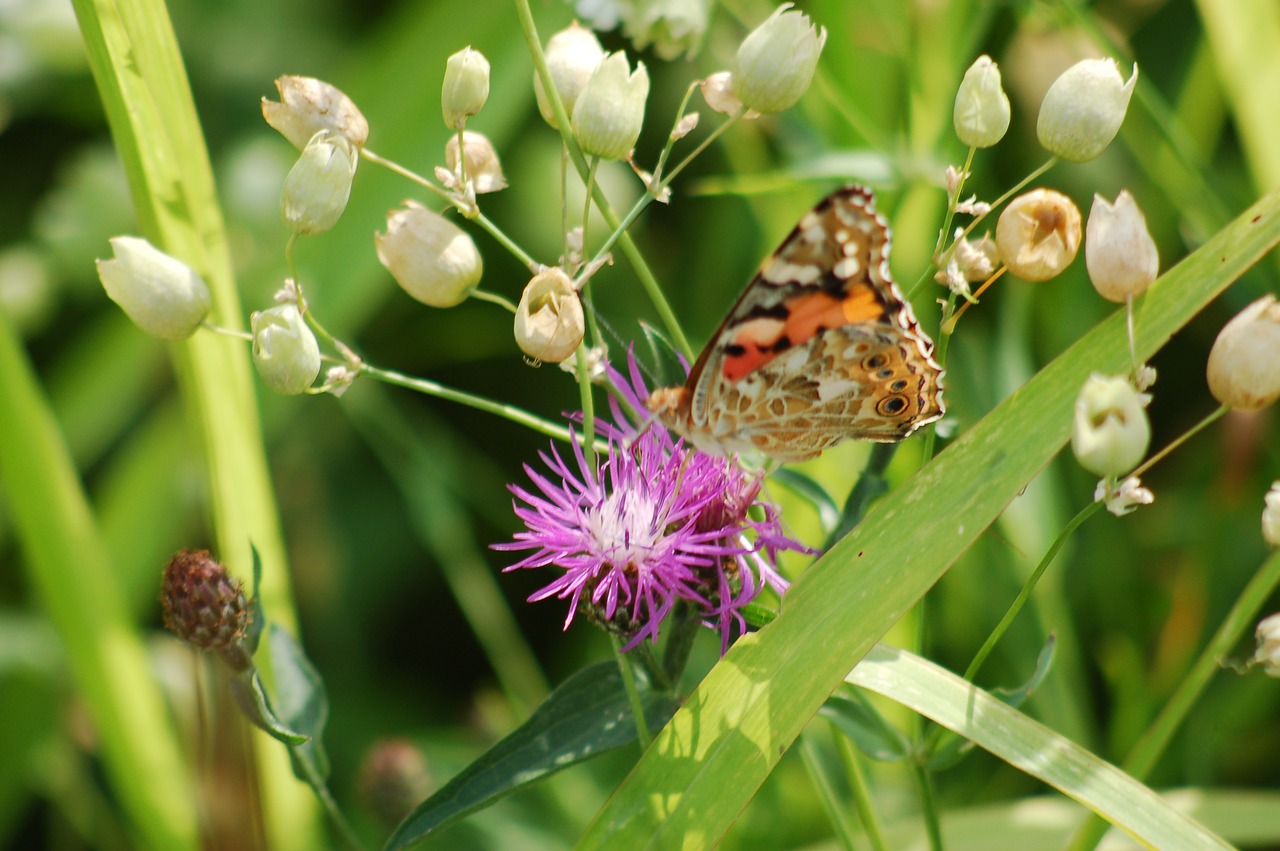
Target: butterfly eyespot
[899, 385]
[875, 362]
[891, 406]
[887, 372]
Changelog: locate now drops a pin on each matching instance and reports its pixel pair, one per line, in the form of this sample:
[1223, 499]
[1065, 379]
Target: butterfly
[820, 347]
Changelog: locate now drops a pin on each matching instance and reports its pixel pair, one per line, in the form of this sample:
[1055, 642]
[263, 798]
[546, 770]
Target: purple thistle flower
[653, 524]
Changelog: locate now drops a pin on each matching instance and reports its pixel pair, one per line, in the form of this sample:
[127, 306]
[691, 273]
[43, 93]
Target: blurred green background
[381, 488]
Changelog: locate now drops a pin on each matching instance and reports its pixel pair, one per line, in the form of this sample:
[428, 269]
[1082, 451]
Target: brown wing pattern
[820, 347]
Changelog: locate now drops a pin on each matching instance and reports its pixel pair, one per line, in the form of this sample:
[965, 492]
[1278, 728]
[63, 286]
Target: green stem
[1027, 587]
[871, 484]
[929, 806]
[647, 279]
[633, 693]
[1190, 433]
[861, 792]
[1149, 747]
[495, 298]
[827, 794]
[588, 407]
[508, 412]
[474, 215]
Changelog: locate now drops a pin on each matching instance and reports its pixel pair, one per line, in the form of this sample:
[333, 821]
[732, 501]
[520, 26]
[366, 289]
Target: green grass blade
[144, 89]
[708, 762]
[69, 568]
[1029, 746]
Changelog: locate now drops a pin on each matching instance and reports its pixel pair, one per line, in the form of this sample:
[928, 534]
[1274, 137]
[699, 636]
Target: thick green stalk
[138, 69]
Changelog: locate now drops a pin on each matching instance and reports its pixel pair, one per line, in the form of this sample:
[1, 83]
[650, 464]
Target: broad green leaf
[1030, 746]
[586, 716]
[251, 696]
[711, 758]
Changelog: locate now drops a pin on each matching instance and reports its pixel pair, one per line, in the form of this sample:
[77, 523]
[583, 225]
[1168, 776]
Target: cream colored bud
[1271, 516]
[717, 91]
[1268, 652]
[466, 87]
[673, 27]
[318, 186]
[1111, 431]
[1084, 108]
[1244, 363]
[572, 55]
[1119, 252]
[480, 159]
[549, 321]
[1038, 234]
[981, 113]
[775, 63]
[161, 294]
[431, 258]
[308, 105]
[285, 352]
[610, 111]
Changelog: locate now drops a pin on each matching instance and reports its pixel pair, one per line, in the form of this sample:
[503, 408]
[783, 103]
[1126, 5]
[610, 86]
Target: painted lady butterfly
[820, 347]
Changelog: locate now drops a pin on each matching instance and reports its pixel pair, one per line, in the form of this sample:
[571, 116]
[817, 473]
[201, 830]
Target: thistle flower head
[649, 525]
[203, 605]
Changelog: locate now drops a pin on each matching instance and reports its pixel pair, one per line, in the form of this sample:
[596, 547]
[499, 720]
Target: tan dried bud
[1038, 234]
[308, 105]
[480, 159]
[550, 323]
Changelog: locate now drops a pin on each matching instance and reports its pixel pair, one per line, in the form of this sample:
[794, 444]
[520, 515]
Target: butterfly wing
[820, 347]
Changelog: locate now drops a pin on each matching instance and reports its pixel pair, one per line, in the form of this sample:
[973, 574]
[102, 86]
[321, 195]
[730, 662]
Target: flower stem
[470, 212]
[1142, 758]
[633, 693]
[508, 412]
[494, 298]
[871, 484]
[862, 800]
[1190, 433]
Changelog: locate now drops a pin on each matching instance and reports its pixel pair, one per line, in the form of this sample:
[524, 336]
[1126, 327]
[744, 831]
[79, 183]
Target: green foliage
[116, 450]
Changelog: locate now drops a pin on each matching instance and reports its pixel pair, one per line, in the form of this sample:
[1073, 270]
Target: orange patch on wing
[756, 338]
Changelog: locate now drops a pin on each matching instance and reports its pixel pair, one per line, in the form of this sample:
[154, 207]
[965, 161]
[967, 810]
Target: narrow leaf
[1030, 746]
[586, 716]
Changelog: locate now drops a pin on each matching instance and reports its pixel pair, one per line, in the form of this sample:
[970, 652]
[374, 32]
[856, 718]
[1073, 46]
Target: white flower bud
[431, 258]
[1084, 108]
[549, 321]
[1111, 432]
[673, 27]
[1119, 252]
[775, 63]
[1271, 516]
[572, 55]
[1038, 234]
[466, 87]
[284, 349]
[717, 91]
[981, 113]
[308, 105]
[610, 110]
[161, 294]
[481, 161]
[1244, 363]
[318, 186]
[1268, 652]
